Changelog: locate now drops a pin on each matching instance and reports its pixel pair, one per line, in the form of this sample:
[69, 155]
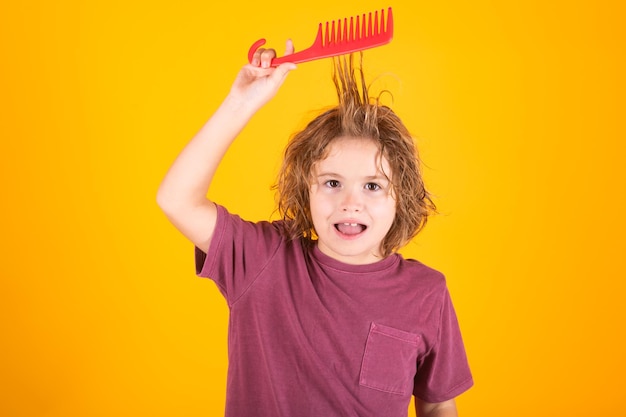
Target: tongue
[347, 229]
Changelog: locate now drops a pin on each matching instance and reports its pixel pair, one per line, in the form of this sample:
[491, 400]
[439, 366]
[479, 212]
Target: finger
[281, 72]
[289, 49]
[266, 57]
[261, 55]
[256, 58]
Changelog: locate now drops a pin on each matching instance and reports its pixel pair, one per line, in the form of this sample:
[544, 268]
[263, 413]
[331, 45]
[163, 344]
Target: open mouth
[350, 229]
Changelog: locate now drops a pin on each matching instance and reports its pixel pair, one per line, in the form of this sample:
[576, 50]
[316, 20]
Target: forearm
[189, 177]
[183, 192]
[188, 180]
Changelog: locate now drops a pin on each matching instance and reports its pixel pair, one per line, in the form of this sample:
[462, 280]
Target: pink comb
[342, 37]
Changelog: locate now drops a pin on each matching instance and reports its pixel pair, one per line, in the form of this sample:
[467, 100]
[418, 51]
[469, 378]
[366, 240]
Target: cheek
[386, 215]
[384, 206]
[317, 203]
[320, 206]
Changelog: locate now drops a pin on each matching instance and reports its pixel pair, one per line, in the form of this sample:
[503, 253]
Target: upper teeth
[351, 224]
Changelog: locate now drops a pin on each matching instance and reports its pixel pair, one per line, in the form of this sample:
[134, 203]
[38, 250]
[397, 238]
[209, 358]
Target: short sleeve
[444, 372]
[238, 252]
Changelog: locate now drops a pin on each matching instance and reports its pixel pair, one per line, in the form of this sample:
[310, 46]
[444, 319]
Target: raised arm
[183, 193]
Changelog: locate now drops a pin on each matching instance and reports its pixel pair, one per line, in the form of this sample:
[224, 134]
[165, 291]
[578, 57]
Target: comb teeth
[355, 29]
[341, 37]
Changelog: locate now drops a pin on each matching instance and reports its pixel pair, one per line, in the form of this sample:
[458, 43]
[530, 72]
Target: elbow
[176, 204]
[161, 200]
[164, 200]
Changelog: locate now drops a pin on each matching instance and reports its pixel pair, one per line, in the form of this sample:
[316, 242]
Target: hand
[257, 82]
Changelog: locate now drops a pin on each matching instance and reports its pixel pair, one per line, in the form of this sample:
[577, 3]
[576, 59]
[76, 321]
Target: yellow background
[518, 109]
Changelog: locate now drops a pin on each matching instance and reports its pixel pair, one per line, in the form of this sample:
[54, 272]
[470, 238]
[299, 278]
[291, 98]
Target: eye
[372, 186]
[332, 183]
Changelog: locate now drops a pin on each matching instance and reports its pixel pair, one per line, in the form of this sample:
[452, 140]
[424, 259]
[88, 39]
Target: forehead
[353, 155]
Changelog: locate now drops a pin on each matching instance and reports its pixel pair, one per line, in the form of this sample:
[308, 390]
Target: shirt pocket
[390, 360]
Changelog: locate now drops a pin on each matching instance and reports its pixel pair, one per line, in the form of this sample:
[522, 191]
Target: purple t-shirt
[312, 336]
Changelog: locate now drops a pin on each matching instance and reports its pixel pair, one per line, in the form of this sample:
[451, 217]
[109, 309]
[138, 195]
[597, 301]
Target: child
[326, 319]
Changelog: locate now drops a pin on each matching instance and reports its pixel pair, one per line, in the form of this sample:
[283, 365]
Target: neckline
[333, 263]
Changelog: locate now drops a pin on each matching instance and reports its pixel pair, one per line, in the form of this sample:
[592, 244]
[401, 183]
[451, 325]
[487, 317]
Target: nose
[352, 201]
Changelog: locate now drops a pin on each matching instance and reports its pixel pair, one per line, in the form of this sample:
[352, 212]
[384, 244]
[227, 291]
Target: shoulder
[225, 219]
[255, 236]
[421, 272]
[422, 281]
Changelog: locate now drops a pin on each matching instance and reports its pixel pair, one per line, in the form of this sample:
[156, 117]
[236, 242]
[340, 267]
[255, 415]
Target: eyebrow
[368, 177]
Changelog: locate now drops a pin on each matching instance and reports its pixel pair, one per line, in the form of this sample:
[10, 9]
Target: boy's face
[352, 205]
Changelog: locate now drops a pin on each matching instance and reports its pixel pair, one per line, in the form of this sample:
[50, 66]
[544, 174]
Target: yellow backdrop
[518, 109]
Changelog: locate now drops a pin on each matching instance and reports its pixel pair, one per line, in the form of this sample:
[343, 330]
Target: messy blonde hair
[357, 115]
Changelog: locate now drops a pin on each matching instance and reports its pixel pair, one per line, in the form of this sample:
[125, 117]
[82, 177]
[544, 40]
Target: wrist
[239, 106]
